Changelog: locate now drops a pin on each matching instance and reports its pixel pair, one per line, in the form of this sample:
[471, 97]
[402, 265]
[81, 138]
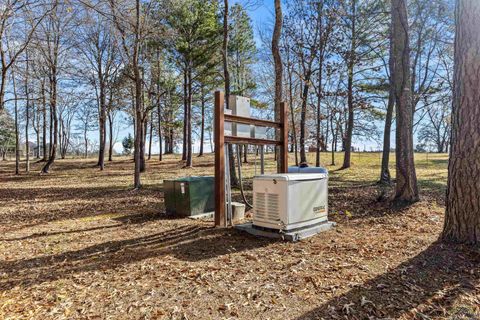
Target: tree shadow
[362, 203]
[424, 286]
[190, 243]
[77, 202]
[124, 220]
[218, 243]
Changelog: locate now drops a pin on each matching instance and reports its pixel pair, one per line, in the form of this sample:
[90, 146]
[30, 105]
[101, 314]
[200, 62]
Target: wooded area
[101, 101]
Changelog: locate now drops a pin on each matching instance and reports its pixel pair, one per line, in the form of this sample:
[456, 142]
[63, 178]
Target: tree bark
[138, 100]
[226, 76]
[143, 139]
[202, 126]
[101, 119]
[462, 216]
[277, 59]
[189, 119]
[319, 114]
[150, 138]
[159, 114]
[36, 127]
[292, 113]
[385, 171]
[85, 143]
[17, 131]
[406, 189]
[44, 127]
[27, 115]
[303, 118]
[110, 138]
[350, 67]
[185, 112]
[50, 146]
[53, 115]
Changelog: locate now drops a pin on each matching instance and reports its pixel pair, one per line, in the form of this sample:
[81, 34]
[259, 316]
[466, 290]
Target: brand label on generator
[319, 209]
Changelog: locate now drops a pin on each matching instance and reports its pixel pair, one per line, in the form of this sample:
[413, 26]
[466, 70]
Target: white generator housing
[290, 201]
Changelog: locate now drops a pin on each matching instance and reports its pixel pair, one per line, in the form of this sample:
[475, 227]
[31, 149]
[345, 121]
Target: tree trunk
[277, 59]
[3, 81]
[138, 100]
[385, 171]
[17, 131]
[53, 114]
[110, 138]
[101, 122]
[51, 132]
[462, 216]
[189, 120]
[334, 140]
[44, 127]
[351, 64]
[150, 138]
[406, 189]
[202, 126]
[292, 114]
[226, 75]
[319, 114]
[185, 113]
[37, 133]
[85, 142]
[27, 142]
[143, 139]
[27, 114]
[303, 118]
[159, 114]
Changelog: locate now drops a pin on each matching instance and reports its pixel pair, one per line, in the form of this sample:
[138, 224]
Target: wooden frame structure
[221, 139]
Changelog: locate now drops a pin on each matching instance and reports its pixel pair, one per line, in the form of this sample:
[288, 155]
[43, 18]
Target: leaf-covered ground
[80, 244]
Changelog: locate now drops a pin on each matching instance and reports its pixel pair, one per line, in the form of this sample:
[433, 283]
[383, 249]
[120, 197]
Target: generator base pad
[290, 235]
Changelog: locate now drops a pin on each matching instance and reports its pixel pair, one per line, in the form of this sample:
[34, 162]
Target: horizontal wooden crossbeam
[253, 121]
[242, 140]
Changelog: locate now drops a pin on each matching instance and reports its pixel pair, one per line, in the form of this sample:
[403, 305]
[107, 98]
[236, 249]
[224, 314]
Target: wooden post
[283, 138]
[219, 138]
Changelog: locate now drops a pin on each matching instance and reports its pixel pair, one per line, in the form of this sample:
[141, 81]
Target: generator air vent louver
[266, 206]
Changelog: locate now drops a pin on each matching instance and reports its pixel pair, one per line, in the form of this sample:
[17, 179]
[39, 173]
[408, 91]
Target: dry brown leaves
[78, 243]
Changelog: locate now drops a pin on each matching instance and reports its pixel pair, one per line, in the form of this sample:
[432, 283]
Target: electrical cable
[240, 178]
[228, 187]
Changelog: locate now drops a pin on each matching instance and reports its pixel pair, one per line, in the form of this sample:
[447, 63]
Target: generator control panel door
[308, 199]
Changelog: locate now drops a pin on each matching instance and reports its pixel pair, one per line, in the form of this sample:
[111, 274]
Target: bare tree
[131, 20]
[406, 185]
[53, 40]
[86, 117]
[16, 14]
[99, 48]
[302, 26]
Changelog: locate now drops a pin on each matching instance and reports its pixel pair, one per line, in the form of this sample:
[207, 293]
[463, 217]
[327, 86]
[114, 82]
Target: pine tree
[195, 42]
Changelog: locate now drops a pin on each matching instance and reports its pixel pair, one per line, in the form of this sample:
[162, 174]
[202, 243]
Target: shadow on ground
[190, 243]
[437, 276]
[123, 220]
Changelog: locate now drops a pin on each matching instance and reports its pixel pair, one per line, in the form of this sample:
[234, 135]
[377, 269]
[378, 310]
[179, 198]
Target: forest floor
[81, 244]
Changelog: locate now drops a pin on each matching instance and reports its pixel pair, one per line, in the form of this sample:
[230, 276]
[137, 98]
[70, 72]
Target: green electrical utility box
[189, 196]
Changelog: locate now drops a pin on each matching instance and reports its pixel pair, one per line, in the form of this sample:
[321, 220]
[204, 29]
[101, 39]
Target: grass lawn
[81, 244]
